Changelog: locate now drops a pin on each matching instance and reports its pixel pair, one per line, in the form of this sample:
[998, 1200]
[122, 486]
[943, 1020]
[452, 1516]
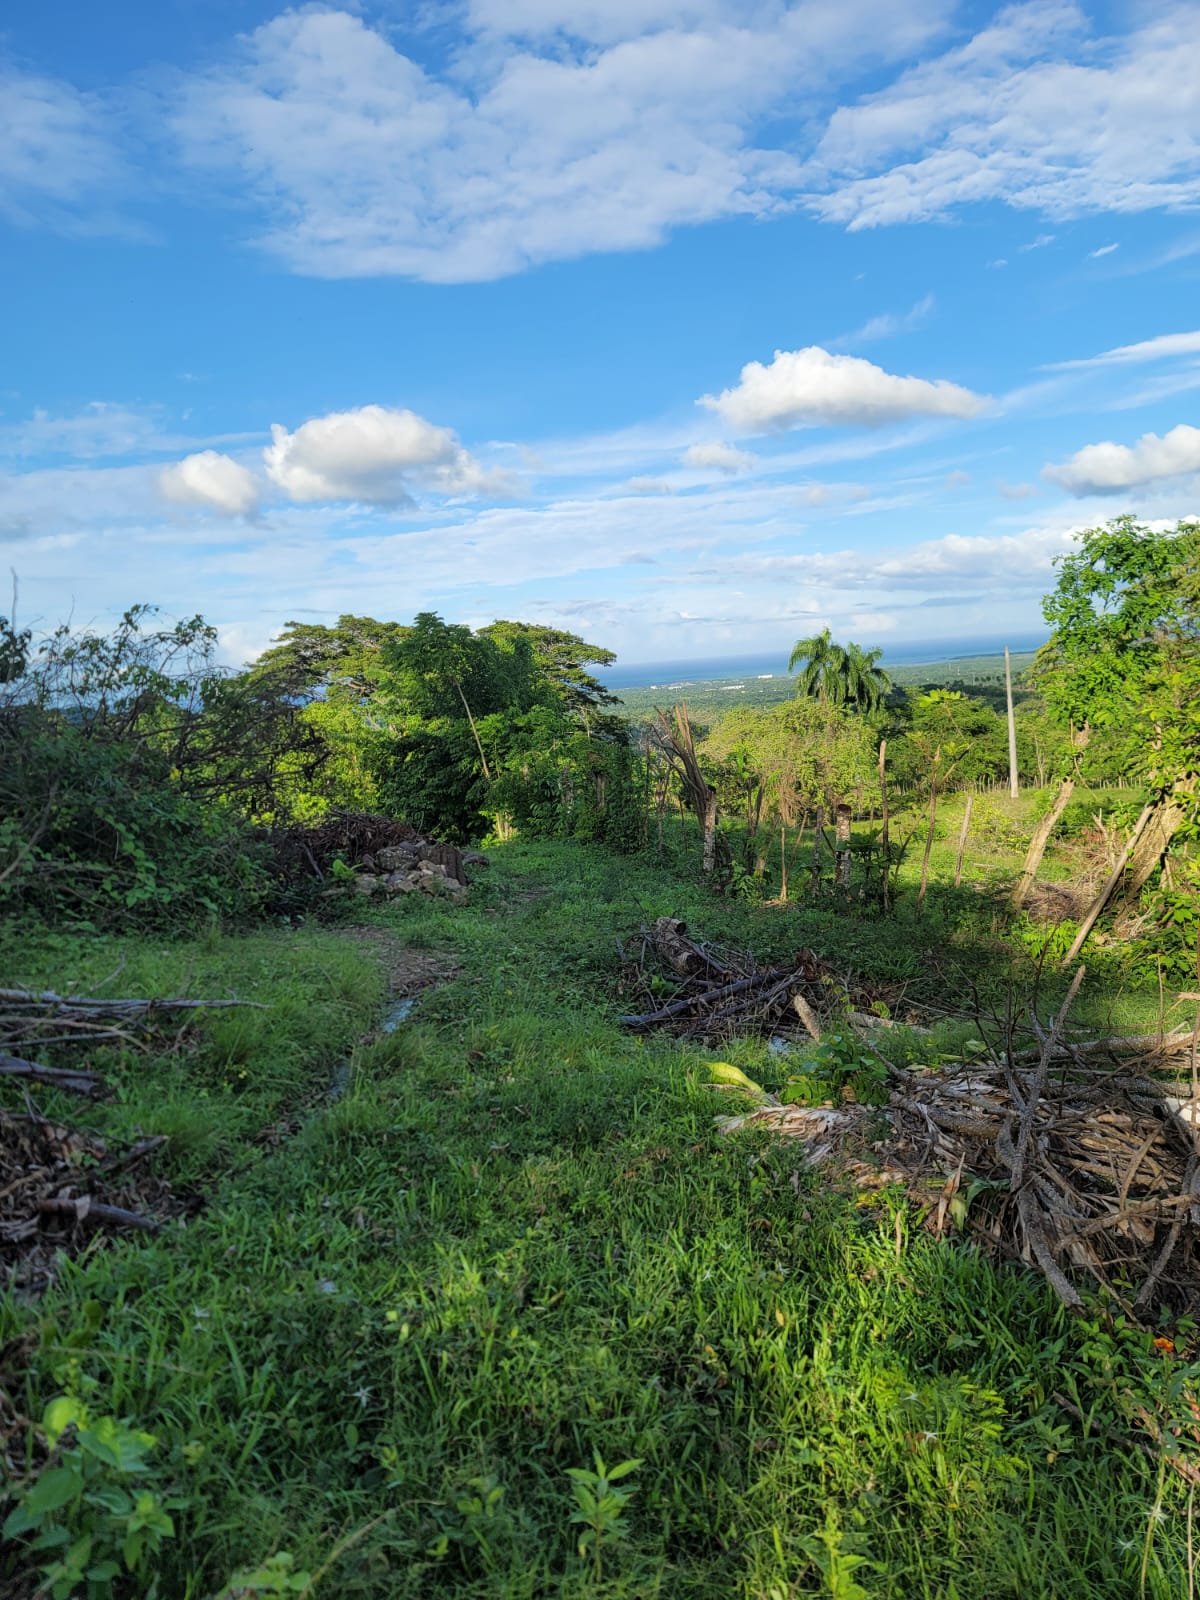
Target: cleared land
[512, 1237]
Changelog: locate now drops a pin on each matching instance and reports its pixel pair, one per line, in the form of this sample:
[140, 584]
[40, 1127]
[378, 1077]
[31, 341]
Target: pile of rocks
[419, 866]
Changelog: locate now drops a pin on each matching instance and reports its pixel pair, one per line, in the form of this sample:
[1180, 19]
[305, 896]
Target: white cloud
[373, 454]
[957, 478]
[1104, 250]
[1107, 468]
[890, 323]
[53, 149]
[596, 21]
[724, 457]
[1158, 349]
[1018, 560]
[1040, 243]
[812, 386]
[366, 162]
[211, 479]
[1031, 111]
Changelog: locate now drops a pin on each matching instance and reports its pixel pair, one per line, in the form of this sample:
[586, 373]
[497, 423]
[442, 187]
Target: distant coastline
[644, 675]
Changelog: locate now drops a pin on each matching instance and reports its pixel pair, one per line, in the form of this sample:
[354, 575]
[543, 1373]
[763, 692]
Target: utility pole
[1012, 728]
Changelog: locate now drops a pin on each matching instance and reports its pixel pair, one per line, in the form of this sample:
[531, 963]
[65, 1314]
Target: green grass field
[405, 1317]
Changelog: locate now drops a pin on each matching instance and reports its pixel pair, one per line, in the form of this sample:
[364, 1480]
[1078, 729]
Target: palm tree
[844, 675]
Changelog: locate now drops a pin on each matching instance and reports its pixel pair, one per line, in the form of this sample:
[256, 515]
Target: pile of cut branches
[303, 851]
[59, 1185]
[699, 991]
[36, 1021]
[1076, 1155]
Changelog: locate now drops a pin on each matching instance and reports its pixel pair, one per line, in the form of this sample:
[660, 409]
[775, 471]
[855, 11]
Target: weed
[86, 1510]
[600, 1507]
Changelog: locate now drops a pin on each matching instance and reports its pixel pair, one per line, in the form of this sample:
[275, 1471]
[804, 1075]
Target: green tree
[845, 675]
[1125, 655]
[561, 662]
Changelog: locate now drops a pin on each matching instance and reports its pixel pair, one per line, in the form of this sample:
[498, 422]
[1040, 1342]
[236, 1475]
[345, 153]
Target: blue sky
[688, 325]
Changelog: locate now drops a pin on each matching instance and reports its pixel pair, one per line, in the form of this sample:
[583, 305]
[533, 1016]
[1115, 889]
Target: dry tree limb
[135, 1153]
[116, 1008]
[704, 999]
[1168, 1249]
[1187, 1470]
[85, 1208]
[1037, 1087]
[73, 1080]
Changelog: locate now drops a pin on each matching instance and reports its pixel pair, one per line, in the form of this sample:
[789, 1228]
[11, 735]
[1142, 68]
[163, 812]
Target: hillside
[708, 698]
[445, 1271]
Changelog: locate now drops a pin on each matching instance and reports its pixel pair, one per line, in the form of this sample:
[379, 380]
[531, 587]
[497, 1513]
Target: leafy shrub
[87, 1511]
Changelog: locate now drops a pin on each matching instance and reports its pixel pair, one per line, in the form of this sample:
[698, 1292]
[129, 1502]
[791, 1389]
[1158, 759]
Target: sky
[691, 326]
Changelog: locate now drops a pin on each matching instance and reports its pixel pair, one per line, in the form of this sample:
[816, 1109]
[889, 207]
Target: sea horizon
[636, 675]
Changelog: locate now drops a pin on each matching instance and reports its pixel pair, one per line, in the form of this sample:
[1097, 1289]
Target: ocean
[637, 675]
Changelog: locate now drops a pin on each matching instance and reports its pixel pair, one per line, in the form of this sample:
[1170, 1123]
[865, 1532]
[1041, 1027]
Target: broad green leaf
[52, 1490]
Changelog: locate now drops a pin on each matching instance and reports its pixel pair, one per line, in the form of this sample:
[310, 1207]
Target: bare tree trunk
[709, 858]
[962, 837]
[1012, 728]
[842, 869]
[885, 851]
[816, 855]
[933, 797]
[1101, 900]
[1169, 811]
[783, 861]
[1037, 845]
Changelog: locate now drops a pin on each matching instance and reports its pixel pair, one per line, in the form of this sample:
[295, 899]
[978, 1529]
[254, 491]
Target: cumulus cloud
[724, 457]
[211, 479]
[373, 454]
[812, 386]
[1107, 468]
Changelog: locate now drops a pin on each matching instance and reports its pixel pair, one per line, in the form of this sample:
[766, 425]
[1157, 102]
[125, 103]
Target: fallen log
[668, 936]
[75, 1080]
[116, 1008]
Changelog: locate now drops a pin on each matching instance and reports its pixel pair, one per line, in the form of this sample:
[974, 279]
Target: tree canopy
[845, 675]
[1126, 645]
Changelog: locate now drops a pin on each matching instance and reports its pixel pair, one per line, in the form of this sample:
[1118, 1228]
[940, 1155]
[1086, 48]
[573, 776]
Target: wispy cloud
[889, 323]
[1159, 348]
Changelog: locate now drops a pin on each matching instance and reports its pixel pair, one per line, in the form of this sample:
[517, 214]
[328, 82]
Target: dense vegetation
[485, 1305]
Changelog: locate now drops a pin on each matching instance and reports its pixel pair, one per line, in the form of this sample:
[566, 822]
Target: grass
[517, 1240]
